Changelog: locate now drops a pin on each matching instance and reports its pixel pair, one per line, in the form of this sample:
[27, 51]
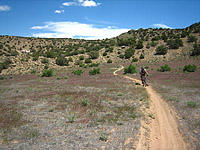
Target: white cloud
[40, 27]
[4, 8]
[90, 3]
[76, 29]
[69, 3]
[161, 26]
[84, 3]
[59, 11]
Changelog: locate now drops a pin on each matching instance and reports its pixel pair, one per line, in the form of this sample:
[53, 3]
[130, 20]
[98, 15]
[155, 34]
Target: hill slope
[19, 55]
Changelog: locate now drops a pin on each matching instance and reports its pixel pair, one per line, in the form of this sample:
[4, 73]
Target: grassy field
[68, 111]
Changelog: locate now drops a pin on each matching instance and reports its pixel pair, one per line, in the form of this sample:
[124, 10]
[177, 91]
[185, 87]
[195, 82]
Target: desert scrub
[189, 68]
[33, 71]
[164, 68]
[94, 71]
[77, 72]
[71, 118]
[109, 61]
[51, 109]
[191, 104]
[131, 69]
[151, 115]
[84, 102]
[104, 134]
[33, 133]
[47, 73]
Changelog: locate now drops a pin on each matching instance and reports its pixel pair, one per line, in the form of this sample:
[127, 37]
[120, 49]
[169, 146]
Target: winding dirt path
[164, 134]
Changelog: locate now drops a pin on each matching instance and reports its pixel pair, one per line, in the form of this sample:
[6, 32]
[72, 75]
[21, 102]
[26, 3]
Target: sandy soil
[163, 130]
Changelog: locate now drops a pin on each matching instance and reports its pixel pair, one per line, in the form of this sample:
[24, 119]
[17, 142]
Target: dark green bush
[94, 54]
[104, 54]
[33, 71]
[190, 68]
[50, 54]
[121, 56]
[94, 71]
[131, 69]
[47, 73]
[164, 68]
[77, 72]
[88, 60]
[62, 61]
[14, 53]
[81, 57]
[142, 56]
[134, 59]
[161, 50]
[192, 38]
[196, 50]
[109, 61]
[175, 43]
[5, 64]
[139, 44]
[129, 53]
[45, 61]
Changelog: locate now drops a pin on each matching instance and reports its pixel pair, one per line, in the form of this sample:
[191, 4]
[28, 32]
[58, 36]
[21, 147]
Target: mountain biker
[143, 73]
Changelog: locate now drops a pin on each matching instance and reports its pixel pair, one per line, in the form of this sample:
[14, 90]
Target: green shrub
[190, 68]
[5, 64]
[77, 72]
[81, 57]
[51, 109]
[50, 54]
[14, 53]
[45, 61]
[139, 44]
[196, 50]
[2, 77]
[88, 60]
[134, 59]
[191, 104]
[104, 54]
[33, 71]
[94, 54]
[62, 61]
[84, 102]
[121, 56]
[175, 43]
[129, 53]
[94, 65]
[109, 61]
[94, 71]
[131, 69]
[46, 67]
[161, 50]
[142, 56]
[164, 68]
[47, 73]
[71, 118]
[79, 62]
[192, 38]
[70, 59]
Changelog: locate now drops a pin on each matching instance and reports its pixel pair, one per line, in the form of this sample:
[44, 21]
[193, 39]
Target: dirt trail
[164, 134]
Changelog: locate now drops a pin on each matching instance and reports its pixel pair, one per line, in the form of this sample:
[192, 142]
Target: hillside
[20, 55]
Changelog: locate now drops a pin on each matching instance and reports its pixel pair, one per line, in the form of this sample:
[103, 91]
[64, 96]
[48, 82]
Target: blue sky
[93, 19]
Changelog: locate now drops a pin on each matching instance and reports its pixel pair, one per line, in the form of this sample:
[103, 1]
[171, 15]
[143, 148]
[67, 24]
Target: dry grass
[37, 109]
